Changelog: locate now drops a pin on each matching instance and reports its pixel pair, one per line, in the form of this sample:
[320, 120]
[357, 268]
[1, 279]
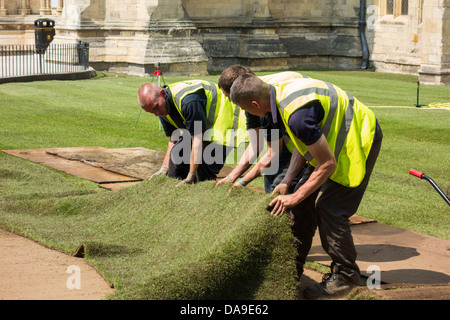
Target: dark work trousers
[329, 209]
[271, 181]
[205, 171]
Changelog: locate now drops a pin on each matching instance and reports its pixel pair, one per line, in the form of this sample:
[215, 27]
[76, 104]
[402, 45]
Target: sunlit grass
[153, 236]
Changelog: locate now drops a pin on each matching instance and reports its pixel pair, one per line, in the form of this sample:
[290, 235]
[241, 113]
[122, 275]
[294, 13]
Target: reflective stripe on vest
[348, 125]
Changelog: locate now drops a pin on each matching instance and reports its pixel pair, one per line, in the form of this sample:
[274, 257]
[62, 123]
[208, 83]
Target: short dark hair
[230, 74]
[248, 87]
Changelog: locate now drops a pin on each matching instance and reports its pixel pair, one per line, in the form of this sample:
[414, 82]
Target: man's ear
[163, 92]
[256, 104]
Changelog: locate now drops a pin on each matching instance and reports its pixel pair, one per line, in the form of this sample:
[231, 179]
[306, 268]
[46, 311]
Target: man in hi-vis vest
[339, 138]
[284, 147]
[209, 120]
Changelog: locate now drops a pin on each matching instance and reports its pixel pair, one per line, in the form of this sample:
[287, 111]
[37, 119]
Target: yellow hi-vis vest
[282, 76]
[222, 115]
[348, 125]
[276, 78]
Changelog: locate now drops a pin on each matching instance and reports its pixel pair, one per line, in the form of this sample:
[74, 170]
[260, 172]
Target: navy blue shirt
[304, 122]
[253, 121]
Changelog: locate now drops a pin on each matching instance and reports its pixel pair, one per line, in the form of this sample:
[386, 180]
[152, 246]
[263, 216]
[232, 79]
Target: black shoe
[332, 286]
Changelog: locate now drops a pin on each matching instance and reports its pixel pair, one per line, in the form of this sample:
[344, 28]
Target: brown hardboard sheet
[72, 167]
[139, 163]
[402, 256]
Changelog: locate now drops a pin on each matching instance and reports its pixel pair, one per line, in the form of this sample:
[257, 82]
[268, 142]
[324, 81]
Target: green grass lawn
[151, 236]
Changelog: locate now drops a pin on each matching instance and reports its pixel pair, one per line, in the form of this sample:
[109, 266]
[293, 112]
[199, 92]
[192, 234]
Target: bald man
[199, 108]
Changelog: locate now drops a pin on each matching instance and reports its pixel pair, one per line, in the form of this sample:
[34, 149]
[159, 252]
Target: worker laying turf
[197, 153]
[279, 147]
[339, 138]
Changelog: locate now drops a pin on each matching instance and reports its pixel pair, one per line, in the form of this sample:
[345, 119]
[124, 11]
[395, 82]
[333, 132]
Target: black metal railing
[23, 60]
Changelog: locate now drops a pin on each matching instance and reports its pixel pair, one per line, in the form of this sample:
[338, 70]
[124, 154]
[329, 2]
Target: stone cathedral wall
[205, 36]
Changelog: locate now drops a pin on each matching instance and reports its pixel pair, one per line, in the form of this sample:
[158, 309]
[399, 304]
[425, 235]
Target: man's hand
[224, 180]
[162, 171]
[281, 203]
[281, 188]
[189, 180]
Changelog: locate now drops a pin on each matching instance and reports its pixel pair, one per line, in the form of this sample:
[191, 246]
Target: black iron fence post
[83, 54]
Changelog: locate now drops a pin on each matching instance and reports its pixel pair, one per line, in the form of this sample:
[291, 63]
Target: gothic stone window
[390, 7]
[404, 7]
[396, 7]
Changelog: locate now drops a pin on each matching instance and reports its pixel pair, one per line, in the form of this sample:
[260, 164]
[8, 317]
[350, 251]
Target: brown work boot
[333, 285]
